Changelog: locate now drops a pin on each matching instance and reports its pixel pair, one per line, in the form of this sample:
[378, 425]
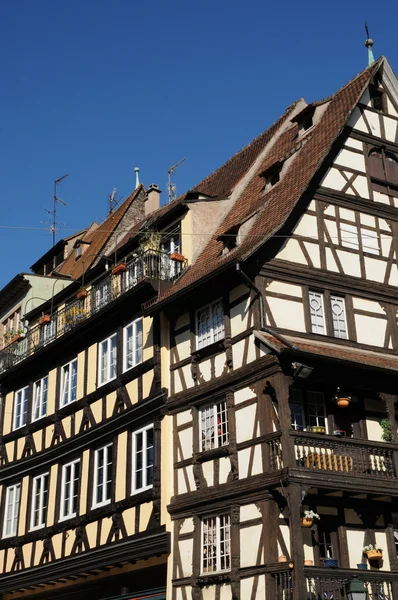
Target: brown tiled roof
[97, 238]
[341, 352]
[275, 205]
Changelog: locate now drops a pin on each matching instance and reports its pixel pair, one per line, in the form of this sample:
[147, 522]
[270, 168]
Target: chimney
[152, 201]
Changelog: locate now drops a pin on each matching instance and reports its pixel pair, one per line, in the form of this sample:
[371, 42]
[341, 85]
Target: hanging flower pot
[330, 562]
[177, 257]
[306, 522]
[45, 319]
[318, 429]
[374, 554]
[82, 293]
[343, 402]
[120, 268]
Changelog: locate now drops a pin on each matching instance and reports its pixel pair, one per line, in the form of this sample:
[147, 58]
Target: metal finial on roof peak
[369, 45]
[137, 177]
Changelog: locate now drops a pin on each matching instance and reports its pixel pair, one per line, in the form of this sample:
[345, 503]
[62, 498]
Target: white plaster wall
[285, 533]
[225, 592]
[333, 180]
[183, 343]
[187, 526]
[238, 352]
[307, 226]
[354, 143]
[357, 122]
[381, 541]
[182, 593]
[249, 542]
[375, 269]
[370, 331]
[350, 263]
[292, 252]
[239, 317]
[247, 588]
[379, 197]
[287, 314]
[313, 251]
[308, 547]
[186, 443]
[183, 485]
[182, 321]
[346, 158]
[245, 419]
[208, 472]
[361, 186]
[368, 305]
[209, 593]
[249, 512]
[374, 429]
[279, 287]
[394, 276]
[374, 123]
[244, 457]
[355, 542]
[219, 364]
[205, 369]
[237, 292]
[225, 468]
[184, 417]
[243, 394]
[390, 127]
[330, 262]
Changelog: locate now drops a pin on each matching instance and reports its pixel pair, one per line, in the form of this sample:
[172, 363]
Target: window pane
[218, 321]
[349, 236]
[203, 327]
[316, 409]
[317, 313]
[138, 342]
[370, 241]
[338, 316]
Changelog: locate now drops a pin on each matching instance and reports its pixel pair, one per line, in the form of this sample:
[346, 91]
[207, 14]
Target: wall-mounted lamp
[301, 371]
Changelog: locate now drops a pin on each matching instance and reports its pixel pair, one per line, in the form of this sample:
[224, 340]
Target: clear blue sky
[92, 88]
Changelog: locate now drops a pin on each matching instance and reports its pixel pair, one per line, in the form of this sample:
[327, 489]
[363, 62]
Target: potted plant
[44, 319]
[282, 558]
[82, 293]
[373, 552]
[308, 519]
[308, 563]
[362, 566]
[74, 314]
[17, 335]
[150, 240]
[318, 429]
[119, 268]
[330, 562]
[177, 257]
[387, 435]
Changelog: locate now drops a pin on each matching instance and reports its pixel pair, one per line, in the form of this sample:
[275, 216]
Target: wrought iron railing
[150, 265]
[356, 457]
[338, 587]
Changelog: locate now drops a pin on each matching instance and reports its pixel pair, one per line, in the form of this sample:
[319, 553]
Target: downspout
[251, 285]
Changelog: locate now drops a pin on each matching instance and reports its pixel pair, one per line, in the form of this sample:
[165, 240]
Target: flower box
[318, 429]
[330, 562]
[306, 522]
[177, 257]
[82, 294]
[16, 338]
[45, 319]
[120, 268]
[374, 554]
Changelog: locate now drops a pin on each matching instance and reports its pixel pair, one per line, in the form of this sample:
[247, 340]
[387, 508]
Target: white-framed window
[339, 320]
[349, 236]
[48, 332]
[132, 344]
[370, 241]
[13, 495]
[70, 489]
[143, 459]
[214, 426]
[102, 492]
[296, 410]
[102, 294]
[209, 324]
[107, 359]
[216, 543]
[317, 312]
[39, 501]
[316, 409]
[69, 382]
[40, 390]
[21, 399]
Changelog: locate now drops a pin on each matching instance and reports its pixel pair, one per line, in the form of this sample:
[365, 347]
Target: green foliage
[387, 435]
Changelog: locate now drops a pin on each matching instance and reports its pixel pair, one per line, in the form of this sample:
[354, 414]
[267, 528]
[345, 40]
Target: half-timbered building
[208, 411]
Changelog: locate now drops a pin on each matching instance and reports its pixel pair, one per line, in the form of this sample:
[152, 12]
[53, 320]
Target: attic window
[230, 239]
[305, 119]
[272, 175]
[78, 251]
[378, 98]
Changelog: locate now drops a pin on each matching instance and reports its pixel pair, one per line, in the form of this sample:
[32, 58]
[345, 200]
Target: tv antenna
[113, 201]
[171, 188]
[53, 213]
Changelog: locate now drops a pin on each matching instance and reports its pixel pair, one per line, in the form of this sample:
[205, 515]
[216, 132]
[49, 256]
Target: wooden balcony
[317, 453]
[148, 266]
[334, 584]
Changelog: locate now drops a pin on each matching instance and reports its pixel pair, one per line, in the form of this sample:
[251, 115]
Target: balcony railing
[378, 587]
[355, 457]
[150, 265]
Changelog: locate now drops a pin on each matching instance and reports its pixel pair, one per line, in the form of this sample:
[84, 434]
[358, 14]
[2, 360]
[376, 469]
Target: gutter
[251, 285]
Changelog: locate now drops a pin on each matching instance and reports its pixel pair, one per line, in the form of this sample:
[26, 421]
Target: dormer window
[229, 239]
[80, 246]
[78, 252]
[272, 175]
[304, 120]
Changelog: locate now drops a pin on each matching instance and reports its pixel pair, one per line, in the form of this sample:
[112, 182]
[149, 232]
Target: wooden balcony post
[296, 541]
[390, 400]
[281, 385]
